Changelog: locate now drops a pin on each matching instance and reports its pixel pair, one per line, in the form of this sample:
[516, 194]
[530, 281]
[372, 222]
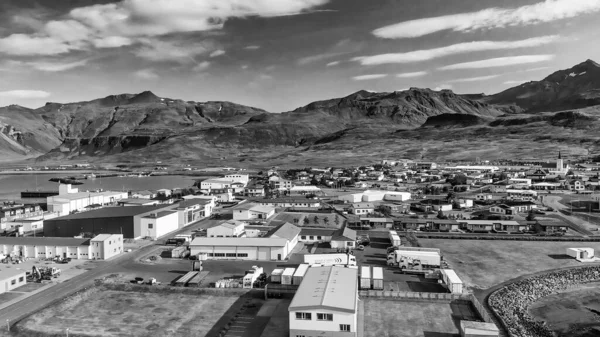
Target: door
[278, 257]
[65, 255]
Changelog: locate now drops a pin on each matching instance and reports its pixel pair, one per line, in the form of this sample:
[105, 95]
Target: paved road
[582, 226]
[21, 309]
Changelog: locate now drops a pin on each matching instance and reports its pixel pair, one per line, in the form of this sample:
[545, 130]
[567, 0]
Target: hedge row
[512, 238]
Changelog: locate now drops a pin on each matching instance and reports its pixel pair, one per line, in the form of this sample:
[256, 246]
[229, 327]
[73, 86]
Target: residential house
[483, 197]
[362, 208]
[312, 235]
[231, 228]
[164, 192]
[254, 190]
[377, 222]
[344, 238]
[427, 205]
[252, 212]
[502, 209]
[143, 194]
[279, 183]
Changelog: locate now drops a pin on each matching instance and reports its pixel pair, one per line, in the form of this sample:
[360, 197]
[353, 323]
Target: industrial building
[375, 195]
[157, 224]
[227, 229]
[277, 244]
[253, 212]
[326, 303]
[11, 278]
[70, 200]
[101, 247]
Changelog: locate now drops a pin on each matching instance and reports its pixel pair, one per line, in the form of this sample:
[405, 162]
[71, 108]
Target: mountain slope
[573, 88]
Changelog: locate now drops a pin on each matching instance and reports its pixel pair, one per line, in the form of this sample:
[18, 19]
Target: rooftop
[160, 214]
[346, 234]
[284, 231]
[317, 231]
[8, 273]
[192, 202]
[112, 212]
[285, 200]
[43, 241]
[331, 288]
[239, 242]
[103, 237]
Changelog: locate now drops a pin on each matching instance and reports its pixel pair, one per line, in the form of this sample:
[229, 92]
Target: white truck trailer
[452, 281]
[330, 259]
[299, 274]
[377, 278]
[414, 261]
[251, 276]
[276, 275]
[365, 277]
[395, 239]
[288, 276]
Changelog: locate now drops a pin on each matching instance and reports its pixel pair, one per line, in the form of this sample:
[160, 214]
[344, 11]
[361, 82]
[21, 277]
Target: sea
[11, 186]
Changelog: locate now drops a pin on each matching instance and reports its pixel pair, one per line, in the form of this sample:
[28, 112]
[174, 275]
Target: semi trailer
[414, 261]
[330, 259]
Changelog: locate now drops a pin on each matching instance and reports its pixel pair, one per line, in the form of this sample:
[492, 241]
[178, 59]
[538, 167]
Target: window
[230, 255]
[324, 317]
[20, 279]
[242, 255]
[219, 255]
[303, 316]
[13, 282]
[150, 226]
[312, 237]
[303, 237]
[299, 335]
[210, 254]
[319, 237]
[344, 327]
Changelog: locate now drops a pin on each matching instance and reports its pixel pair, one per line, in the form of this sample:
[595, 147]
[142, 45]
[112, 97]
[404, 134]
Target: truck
[452, 281]
[176, 241]
[395, 239]
[377, 278]
[330, 259]
[288, 275]
[414, 261]
[365, 277]
[299, 274]
[251, 276]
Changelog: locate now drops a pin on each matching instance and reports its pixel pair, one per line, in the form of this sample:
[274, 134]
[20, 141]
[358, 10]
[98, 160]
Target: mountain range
[534, 119]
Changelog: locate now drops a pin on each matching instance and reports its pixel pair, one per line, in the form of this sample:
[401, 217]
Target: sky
[282, 54]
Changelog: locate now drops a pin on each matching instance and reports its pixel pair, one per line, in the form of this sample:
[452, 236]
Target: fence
[507, 237]
[409, 295]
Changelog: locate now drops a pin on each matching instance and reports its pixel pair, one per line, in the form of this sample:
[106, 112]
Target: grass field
[573, 313]
[106, 312]
[485, 263]
[385, 318]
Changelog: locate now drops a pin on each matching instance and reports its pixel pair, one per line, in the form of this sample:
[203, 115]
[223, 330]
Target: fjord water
[12, 185]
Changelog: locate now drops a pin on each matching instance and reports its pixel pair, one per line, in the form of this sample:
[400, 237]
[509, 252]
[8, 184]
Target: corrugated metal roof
[112, 212]
[7, 273]
[240, 242]
[333, 288]
[102, 237]
[285, 231]
[317, 231]
[29, 241]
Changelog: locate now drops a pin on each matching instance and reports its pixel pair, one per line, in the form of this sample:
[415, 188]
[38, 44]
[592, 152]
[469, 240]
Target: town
[278, 245]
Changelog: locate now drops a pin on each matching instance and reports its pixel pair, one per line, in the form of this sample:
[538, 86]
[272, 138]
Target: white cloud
[315, 58]
[334, 63]
[217, 52]
[112, 42]
[252, 47]
[369, 77]
[411, 75]
[24, 94]
[201, 66]
[157, 50]
[460, 48]
[474, 79]
[265, 77]
[443, 87]
[514, 82]
[535, 69]
[499, 62]
[546, 11]
[23, 44]
[244, 66]
[146, 74]
[57, 66]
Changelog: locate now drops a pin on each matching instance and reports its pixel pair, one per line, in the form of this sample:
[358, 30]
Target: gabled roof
[230, 224]
[345, 234]
[239, 242]
[284, 231]
[332, 288]
[363, 205]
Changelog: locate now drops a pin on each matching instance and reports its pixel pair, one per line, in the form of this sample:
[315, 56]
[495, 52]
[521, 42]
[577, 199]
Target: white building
[253, 212]
[275, 245]
[105, 246]
[362, 208]
[228, 229]
[11, 278]
[238, 178]
[280, 183]
[70, 199]
[157, 224]
[326, 303]
[375, 195]
[190, 211]
[209, 204]
[520, 182]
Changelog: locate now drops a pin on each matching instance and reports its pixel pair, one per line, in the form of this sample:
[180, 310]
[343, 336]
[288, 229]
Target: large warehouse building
[326, 303]
[101, 247]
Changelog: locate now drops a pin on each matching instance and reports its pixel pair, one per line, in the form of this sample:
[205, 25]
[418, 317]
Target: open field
[385, 318]
[575, 313]
[485, 263]
[105, 312]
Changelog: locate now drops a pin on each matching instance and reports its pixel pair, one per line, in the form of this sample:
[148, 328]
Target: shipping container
[365, 277]
[452, 281]
[478, 329]
[299, 274]
[276, 275]
[377, 278]
[288, 275]
[581, 253]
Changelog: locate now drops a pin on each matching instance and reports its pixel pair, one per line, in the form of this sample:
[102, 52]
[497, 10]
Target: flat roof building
[101, 247]
[326, 303]
[11, 278]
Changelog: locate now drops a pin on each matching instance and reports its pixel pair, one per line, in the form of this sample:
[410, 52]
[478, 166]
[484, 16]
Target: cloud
[414, 74]
[252, 47]
[473, 79]
[24, 94]
[174, 51]
[23, 44]
[334, 63]
[319, 57]
[514, 82]
[265, 77]
[112, 42]
[146, 74]
[499, 62]
[460, 48]
[216, 53]
[201, 66]
[541, 12]
[443, 87]
[56, 66]
[535, 69]
[369, 77]
[244, 66]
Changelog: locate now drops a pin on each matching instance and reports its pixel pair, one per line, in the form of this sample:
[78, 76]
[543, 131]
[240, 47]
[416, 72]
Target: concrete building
[137, 202]
[251, 212]
[209, 204]
[312, 235]
[11, 278]
[326, 303]
[70, 200]
[362, 208]
[344, 238]
[276, 245]
[192, 210]
[75, 248]
[10, 211]
[105, 246]
[288, 202]
[159, 223]
[228, 229]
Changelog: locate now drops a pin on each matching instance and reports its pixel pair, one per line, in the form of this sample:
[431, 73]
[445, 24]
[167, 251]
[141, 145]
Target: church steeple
[559, 157]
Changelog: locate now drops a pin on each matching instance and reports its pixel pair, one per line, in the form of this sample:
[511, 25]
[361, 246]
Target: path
[580, 225]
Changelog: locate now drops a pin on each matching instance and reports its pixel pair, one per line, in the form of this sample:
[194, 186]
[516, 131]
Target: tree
[385, 210]
[441, 215]
[326, 220]
[296, 221]
[316, 219]
[458, 179]
[530, 216]
[306, 221]
[336, 220]
[451, 195]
